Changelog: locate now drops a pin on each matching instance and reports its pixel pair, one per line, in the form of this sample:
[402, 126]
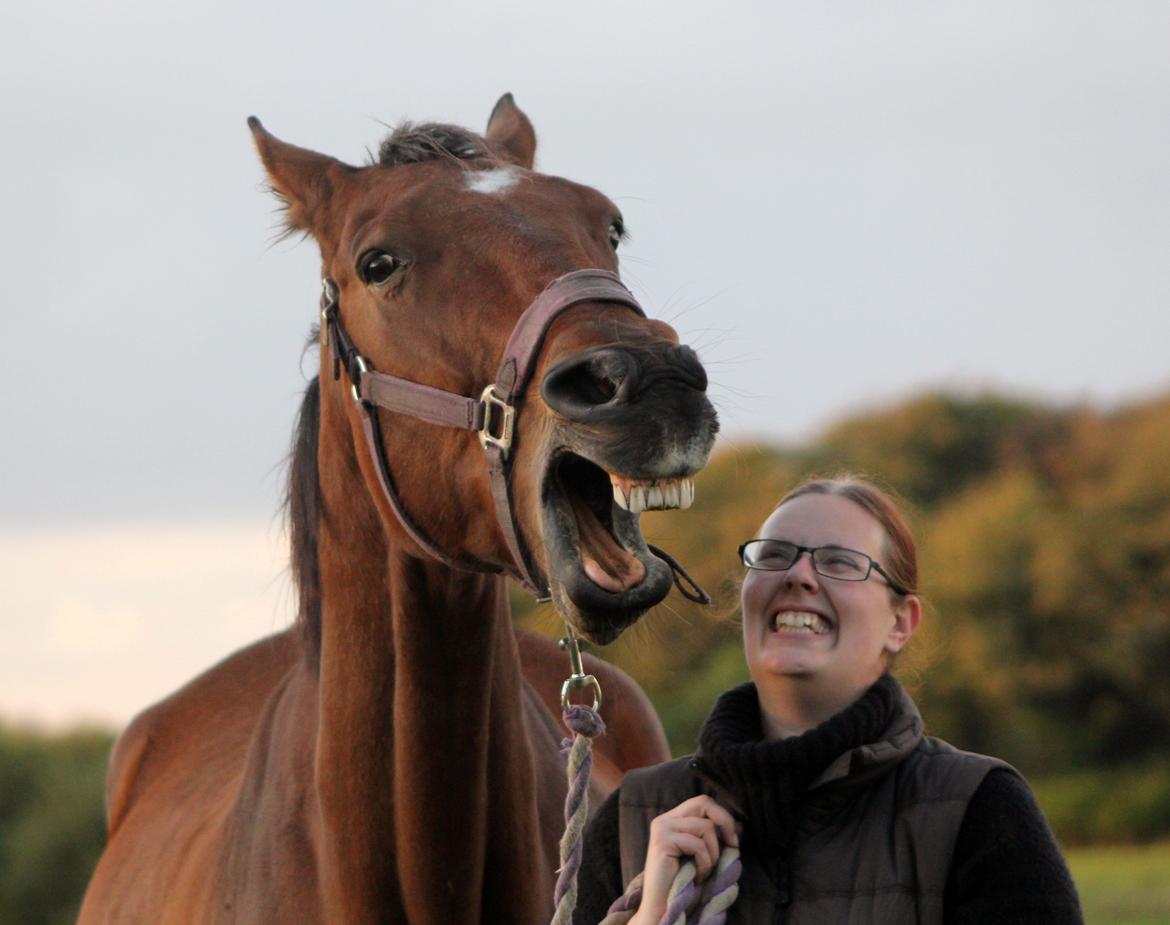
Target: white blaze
[492, 182]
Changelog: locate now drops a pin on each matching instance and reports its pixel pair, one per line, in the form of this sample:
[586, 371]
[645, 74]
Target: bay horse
[394, 757]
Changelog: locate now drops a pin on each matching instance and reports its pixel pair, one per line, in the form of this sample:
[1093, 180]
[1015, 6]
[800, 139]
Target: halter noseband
[492, 416]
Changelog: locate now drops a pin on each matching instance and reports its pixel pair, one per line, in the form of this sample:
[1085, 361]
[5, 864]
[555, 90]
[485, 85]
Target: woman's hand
[692, 829]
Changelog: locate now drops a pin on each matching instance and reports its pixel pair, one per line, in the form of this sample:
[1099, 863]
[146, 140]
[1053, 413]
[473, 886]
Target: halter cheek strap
[492, 416]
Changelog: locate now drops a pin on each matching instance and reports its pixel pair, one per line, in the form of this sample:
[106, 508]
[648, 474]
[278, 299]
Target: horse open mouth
[601, 573]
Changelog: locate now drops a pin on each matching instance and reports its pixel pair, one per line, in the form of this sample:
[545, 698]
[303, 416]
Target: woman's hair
[900, 557]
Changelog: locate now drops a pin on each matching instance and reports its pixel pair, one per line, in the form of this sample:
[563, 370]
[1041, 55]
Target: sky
[838, 204]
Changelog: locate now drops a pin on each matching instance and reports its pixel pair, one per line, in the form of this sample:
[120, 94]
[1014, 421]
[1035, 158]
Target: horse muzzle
[634, 427]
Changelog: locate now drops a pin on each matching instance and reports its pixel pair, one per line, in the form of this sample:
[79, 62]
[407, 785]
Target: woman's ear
[907, 614]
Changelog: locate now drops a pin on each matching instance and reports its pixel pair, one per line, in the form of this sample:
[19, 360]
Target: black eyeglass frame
[874, 566]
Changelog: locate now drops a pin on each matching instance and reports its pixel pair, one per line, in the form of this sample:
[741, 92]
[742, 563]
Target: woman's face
[856, 625]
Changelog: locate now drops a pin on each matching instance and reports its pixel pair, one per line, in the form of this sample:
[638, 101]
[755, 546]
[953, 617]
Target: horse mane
[411, 143]
[303, 510]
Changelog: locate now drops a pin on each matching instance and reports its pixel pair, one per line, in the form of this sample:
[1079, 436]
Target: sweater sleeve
[599, 881]
[1007, 867]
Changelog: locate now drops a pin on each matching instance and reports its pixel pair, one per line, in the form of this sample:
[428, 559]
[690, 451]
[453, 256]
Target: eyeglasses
[831, 561]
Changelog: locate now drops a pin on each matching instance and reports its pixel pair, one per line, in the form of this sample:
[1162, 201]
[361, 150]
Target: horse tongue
[601, 577]
[606, 563]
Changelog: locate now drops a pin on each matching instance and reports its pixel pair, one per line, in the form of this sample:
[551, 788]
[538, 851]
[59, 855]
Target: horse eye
[376, 267]
[617, 231]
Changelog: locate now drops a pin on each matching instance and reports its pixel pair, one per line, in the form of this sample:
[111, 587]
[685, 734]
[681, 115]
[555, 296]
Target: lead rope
[685, 897]
[709, 905]
[585, 722]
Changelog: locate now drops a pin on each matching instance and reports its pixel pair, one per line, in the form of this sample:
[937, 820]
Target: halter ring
[580, 680]
[577, 677]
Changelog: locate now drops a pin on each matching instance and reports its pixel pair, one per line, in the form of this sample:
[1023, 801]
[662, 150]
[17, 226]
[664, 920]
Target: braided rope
[685, 897]
[686, 902]
[586, 723]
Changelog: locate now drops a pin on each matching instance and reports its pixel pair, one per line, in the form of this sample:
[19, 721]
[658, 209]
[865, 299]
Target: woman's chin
[790, 654]
[787, 663]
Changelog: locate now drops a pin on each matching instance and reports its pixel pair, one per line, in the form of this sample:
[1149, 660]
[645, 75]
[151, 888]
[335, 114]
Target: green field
[1123, 885]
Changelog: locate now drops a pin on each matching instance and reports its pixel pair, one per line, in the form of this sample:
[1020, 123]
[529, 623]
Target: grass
[1123, 885]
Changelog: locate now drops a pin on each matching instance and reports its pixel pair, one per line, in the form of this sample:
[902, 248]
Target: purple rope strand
[681, 905]
[723, 880]
[586, 723]
[571, 853]
[627, 902]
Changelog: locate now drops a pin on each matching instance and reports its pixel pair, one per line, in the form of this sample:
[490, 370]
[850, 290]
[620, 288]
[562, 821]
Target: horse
[394, 756]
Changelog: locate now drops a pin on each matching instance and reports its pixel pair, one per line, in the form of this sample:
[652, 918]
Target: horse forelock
[411, 143]
[303, 510]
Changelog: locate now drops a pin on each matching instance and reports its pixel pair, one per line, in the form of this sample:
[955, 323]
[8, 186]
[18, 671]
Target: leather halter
[492, 416]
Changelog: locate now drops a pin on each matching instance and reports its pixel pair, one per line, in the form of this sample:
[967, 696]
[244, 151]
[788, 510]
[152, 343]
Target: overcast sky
[836, 203]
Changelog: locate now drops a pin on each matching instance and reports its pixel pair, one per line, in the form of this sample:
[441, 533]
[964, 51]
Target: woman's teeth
[801, 621]
[638, 495]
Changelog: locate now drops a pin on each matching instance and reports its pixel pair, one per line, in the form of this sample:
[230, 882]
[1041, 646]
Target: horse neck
[424, 767]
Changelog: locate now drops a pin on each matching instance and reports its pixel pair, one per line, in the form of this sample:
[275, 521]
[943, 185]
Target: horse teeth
[638, 499]
[638, 495]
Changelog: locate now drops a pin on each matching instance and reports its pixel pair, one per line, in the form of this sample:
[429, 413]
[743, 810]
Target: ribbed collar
[769, 779]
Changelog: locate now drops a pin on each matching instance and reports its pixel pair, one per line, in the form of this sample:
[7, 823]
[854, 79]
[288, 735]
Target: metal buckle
[506, 424]
[577, 678]
[362, 368]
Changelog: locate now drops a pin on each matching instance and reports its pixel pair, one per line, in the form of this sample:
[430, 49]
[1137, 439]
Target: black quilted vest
[874, 839]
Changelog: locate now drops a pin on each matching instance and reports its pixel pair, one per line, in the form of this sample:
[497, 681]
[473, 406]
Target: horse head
[436, 249]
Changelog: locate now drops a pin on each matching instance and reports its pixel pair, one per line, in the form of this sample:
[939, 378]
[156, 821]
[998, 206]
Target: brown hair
[900, 556]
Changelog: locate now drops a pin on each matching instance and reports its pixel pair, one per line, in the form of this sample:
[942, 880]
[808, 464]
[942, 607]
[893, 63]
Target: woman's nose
[801, 572]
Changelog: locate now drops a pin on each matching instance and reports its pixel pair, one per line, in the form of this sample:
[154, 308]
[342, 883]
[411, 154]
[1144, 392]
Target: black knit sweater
[1007, 867]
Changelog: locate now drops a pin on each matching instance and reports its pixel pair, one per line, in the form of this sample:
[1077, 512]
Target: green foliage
[1130, 804]
[934, 446]
[52, 822]
[1054, 593]
[682, 713]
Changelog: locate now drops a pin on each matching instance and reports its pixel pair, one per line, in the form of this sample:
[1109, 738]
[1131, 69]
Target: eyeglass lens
[830, 561]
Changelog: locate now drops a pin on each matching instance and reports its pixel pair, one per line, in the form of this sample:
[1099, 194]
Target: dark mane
[410, 143]
[303, 510]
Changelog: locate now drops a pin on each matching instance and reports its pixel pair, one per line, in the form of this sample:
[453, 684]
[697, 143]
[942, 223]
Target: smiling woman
[818, 771]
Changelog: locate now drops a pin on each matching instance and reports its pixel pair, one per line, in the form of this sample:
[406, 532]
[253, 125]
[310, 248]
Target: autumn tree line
[1044, 538]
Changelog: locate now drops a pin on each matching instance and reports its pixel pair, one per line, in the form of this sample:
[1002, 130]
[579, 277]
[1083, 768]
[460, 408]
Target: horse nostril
[603, 375]
[579, 385]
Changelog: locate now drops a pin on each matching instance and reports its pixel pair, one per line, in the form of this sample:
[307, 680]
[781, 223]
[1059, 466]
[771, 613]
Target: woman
[818, 770]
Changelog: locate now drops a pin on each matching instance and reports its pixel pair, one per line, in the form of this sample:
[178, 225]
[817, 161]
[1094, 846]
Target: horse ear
[302, 178]
[509, 130]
